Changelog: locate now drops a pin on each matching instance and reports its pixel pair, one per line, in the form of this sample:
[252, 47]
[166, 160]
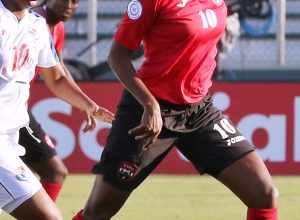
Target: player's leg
[123, 165]
[117, 180]
[41, 157]
[220, 150]
[104, 201]
[52, 174]
[250, 180]
[39, 207]
[21, 194]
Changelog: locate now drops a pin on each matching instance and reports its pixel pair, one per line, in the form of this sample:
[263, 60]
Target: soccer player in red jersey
[40, 154]
[167, 103]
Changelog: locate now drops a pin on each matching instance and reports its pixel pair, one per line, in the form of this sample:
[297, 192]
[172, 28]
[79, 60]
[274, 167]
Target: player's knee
[62, 172]
[271, 197]
[58, 173]
[268, 197]
[53, 170]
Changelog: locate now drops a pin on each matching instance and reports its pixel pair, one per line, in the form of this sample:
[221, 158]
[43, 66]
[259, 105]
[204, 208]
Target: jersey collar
[8, 12]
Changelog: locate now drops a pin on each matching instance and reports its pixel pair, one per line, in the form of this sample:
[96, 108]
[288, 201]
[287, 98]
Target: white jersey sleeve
[47, 56]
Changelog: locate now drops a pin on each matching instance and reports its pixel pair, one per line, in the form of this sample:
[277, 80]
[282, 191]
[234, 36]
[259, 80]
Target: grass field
[179, 198]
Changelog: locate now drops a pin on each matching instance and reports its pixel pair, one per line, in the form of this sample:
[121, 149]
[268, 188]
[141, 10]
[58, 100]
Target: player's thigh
[250, 180]
[214, 146]
[38, 145]
[105, 199]
[222, 151]
[40, 154]
[52, 169]
[38, 207]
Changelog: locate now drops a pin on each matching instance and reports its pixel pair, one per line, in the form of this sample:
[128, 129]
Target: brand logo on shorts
[235, 139]
[127, 170]
[22, 174]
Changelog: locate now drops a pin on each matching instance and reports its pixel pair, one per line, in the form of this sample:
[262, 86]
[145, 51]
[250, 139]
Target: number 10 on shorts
[224, 128]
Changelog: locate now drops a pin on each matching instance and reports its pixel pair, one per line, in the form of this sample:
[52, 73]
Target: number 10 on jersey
[209, 18]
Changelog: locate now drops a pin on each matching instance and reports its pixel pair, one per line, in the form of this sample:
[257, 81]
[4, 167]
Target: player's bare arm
[66, 71]
[151, 122]
[102, 114]
[59, 84]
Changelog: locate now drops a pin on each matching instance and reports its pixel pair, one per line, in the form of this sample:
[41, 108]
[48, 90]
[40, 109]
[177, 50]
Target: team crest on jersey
[134, 9]
[217, 2]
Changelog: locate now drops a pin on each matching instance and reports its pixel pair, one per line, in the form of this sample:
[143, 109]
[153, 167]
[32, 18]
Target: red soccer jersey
[57, 32]
[58, 35]
[179, 38]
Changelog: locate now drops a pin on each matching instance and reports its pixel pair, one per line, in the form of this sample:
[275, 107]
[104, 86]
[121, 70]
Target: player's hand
[90, 120]
[150, 126]
[97, 114]
[104, 115]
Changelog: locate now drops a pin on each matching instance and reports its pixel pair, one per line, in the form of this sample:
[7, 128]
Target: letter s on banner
[88, 141]
[63, 135]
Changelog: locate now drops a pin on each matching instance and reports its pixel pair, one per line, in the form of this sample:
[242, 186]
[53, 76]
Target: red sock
[262, 214]
[52, 189]
[78, 216]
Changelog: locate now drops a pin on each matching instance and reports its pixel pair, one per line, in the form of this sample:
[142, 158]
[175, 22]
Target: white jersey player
[25, 44]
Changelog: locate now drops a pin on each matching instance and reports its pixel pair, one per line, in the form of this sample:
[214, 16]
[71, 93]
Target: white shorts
[17, 182]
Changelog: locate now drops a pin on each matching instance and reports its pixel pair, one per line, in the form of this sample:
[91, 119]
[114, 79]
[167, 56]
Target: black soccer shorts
[37, 143]
[199, 131]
